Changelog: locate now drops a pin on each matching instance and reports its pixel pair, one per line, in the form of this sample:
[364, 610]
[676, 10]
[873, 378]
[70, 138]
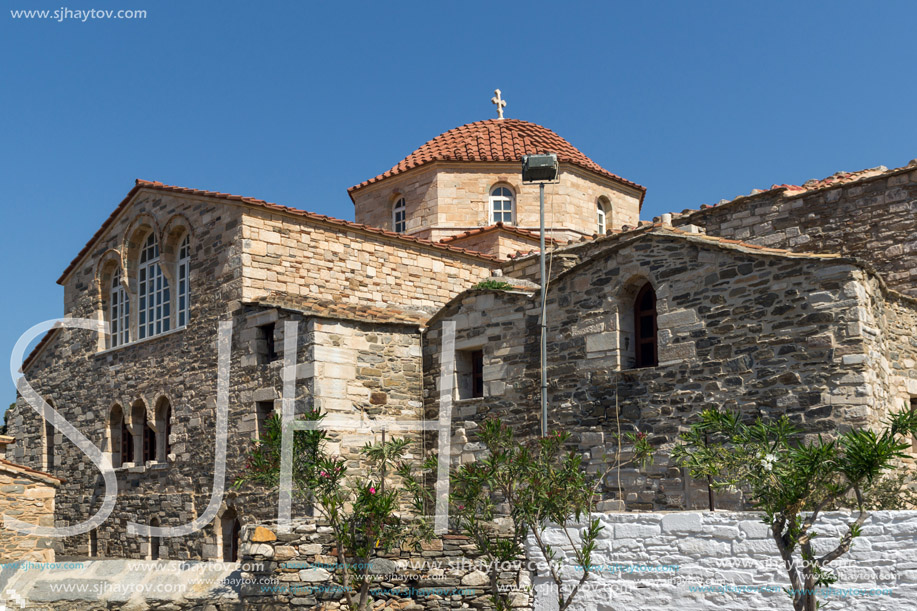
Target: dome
[495, 140]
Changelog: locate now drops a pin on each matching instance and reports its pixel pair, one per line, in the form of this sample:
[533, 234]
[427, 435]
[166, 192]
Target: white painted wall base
[662, 561]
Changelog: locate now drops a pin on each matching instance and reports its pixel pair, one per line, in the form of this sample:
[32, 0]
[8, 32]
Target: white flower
[768, 462]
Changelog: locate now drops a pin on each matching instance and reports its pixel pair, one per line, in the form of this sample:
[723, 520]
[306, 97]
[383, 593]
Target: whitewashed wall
[665, 555]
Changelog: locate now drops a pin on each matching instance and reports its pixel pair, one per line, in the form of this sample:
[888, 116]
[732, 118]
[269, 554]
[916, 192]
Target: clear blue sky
[294, 102]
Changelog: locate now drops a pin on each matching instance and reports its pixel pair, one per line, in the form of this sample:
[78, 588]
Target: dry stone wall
[297, 570]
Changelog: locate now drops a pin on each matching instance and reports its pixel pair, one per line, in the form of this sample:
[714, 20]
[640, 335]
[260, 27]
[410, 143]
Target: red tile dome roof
[495, 140]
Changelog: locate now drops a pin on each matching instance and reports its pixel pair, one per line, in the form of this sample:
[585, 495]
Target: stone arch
[142, 433]
[625, 322]
[174, 231]
[110, 263]
[137, 232]
[134, 237]
[117, 442]
[227, 531]
[162, 426]
[48, 447]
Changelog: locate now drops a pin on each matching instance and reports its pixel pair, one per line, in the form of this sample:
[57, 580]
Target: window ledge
[471, 400]
[140, 341]
[152, 465]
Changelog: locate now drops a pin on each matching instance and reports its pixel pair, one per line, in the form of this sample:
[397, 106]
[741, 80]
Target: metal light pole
[542, 169]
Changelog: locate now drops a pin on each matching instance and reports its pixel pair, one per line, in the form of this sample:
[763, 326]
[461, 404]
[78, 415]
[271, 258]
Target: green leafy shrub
[792, 480]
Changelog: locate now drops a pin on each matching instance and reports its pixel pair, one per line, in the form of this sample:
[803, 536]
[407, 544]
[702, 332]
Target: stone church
[794, 299]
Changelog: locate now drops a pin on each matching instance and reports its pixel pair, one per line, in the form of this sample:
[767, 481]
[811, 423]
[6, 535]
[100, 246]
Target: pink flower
[372, 490]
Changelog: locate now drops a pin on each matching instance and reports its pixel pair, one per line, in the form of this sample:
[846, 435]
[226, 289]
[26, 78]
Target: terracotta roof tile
[147, 184]
[499, 226]
[496, 140]
[28, 470]
[326, 308]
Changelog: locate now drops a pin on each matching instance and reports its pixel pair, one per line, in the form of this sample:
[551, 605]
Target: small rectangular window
[469, 369]
[267, 347]
[263, 411]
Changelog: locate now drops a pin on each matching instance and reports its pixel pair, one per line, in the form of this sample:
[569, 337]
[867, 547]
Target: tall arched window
[645, 330]
[119, 311]
[117, 428]
[152, 292]
[48, 458]
[601, 210]
[501, 205]
[144, 449]
[127, 442]
[399, 216]
[163, 430]
[183, 277]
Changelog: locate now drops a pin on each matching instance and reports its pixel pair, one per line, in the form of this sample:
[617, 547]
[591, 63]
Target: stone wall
[502, 244]
[441, 574]
[360, 369]
[761, 333]
[298, 256]
[700, 560]
[874, 219]
[447, 199]
[28, 497]
[84, 381]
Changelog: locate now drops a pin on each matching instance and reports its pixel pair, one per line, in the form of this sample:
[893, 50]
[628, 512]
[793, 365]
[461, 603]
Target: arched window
[501, 205]
[48, 458]
[117, 433]
[127, 442]
[152, 292]
[645, 344]
[119, 312]
[163, 430]
[183, 277]
[399, 216]
[144, 449]
[601, 210]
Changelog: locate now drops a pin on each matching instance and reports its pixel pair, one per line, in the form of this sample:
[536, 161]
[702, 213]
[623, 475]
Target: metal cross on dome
[499, 102]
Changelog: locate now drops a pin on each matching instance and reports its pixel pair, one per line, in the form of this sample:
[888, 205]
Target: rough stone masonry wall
[874, 219]
[29, 499]
[887, 322]
[372, 369]
[651, 561]
[84, 382]
[762, 334]
[442, 574]
[291, 255]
